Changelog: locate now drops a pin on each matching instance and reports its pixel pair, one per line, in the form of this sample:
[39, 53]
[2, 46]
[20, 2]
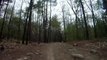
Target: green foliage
[56, 29]
[101, 26]
[38, 7]
[55, 23]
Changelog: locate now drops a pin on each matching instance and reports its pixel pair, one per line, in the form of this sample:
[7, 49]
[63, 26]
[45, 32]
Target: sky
[57, 10]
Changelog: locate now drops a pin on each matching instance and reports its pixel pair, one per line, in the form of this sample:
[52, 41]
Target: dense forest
[84, 20]
[53, 29]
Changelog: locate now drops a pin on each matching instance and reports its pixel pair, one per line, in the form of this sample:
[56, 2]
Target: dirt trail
[63, 51]
[48, 51]
[55, 51]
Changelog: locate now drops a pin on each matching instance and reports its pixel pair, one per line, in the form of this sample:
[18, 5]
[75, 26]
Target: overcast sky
[56, 10]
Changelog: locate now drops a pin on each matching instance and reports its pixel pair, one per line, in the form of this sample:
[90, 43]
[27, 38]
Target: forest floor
[78, 50]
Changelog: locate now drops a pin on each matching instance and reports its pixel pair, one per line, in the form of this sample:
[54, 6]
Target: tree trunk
[10, 20]
[85, 22]
[93, 17]
[64, 23]
[19, 32]
[45, 19]
[2, 26]
[29, 22]
[49, 30]
[25, 26]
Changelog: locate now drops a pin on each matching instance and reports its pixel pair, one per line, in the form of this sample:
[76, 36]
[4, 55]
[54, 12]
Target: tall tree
[85, 20]
[20, 15]
[45, 19]
[93, 17]
[2, 26]
[55, 29]
[26, 14]
[29, 22]
[77, 19]
[63, 16]
[12, 12]
[49, 29]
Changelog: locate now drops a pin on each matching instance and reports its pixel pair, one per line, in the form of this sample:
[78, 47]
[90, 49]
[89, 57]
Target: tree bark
[29, 22]
[64, 23]
[93, 17]
[20, 15]
[85, 22]
[2, 26]
[10, 20]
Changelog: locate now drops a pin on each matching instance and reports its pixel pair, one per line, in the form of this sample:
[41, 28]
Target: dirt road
[49, 51]
[63, 51]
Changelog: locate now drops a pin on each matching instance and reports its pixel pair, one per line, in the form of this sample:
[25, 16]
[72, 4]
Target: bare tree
[20, 15]
[93, 17]
[85, 21]
[49, 29]
[2, 26]
[12, 12]
[29, 22]
[25, 26]
[63, 16]
[77, 19]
